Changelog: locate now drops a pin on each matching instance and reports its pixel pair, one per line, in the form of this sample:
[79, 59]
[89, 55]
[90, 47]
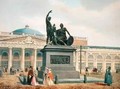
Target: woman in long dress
[33, 81]
[108, 77]
[45, 81]
[48, 77]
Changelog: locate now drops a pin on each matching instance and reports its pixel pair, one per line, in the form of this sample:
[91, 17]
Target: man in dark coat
[30, 75]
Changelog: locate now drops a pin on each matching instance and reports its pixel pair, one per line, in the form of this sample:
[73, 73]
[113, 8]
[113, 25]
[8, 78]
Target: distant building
[99, 57]
[21, 49]
[80, 41]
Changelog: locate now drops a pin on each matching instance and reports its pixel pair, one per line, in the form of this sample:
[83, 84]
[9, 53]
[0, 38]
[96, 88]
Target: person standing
[45, 75]
[86, 71]
[33, 80]
[108, 76]
[50, 77]
[105, 79]
[30, 75]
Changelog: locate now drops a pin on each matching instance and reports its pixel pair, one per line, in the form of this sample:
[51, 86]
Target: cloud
[97, 20]
[96, 4]
[3, 28]
[105, 22]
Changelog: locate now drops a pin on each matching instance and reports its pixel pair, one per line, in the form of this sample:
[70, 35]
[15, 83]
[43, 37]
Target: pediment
[28, 40]
[25, 39]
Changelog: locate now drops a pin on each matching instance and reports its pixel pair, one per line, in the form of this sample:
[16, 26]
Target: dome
[27, 31]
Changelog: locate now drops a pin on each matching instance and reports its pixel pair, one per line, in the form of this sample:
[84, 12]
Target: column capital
[10, 47]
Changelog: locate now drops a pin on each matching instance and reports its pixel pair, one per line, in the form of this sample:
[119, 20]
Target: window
[39, 54]
[27, 55]
[16, 55]
[16, 64]
[27, 64]
[99, 57]
[4, 64]
[108, 57]
[90, 57]
[90, 65]
[39, 63]
[4, 55]
[117, 65]
[99, 65]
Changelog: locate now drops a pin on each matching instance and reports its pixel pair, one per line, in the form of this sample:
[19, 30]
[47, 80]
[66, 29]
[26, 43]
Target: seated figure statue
[61, 36]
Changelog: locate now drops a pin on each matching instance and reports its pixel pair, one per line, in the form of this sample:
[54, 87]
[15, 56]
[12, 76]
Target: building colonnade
[22, 60]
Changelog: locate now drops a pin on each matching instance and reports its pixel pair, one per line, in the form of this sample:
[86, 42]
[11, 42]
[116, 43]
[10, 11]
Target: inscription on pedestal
[59, 59]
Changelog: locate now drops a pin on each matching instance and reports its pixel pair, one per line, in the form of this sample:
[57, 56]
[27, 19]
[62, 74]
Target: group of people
[57, 37]
[47, 77]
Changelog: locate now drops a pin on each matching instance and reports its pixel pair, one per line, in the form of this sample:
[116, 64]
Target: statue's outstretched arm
[49, 13]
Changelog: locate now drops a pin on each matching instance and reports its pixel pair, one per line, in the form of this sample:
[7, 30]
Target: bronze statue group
[57, 37]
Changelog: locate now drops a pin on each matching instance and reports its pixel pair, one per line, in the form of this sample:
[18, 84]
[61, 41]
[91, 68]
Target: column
[0, 58]
[112, 66]
[86, 58]
[23, 59]
[10, 60]
[35, 59]
[95, 63]
[104, 66]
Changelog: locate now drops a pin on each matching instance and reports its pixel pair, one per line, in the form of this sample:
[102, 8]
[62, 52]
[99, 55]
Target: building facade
[97, 57]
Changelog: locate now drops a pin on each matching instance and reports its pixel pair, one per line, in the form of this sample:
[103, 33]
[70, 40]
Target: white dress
[46, 81]
[33, 81]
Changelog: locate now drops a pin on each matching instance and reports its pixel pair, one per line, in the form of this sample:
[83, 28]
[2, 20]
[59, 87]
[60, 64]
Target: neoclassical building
[21, 49]
[99, 57]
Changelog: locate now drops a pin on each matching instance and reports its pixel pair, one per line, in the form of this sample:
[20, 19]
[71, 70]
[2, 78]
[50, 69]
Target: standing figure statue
[54, 37]
[61, 36]
[48, 27]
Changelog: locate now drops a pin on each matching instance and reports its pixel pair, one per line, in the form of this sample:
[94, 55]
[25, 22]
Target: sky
[97, 20]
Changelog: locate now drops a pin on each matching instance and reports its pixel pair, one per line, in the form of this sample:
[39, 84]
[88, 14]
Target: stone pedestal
[60, 60]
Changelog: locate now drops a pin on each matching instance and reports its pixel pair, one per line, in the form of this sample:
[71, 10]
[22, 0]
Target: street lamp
[80, 59]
